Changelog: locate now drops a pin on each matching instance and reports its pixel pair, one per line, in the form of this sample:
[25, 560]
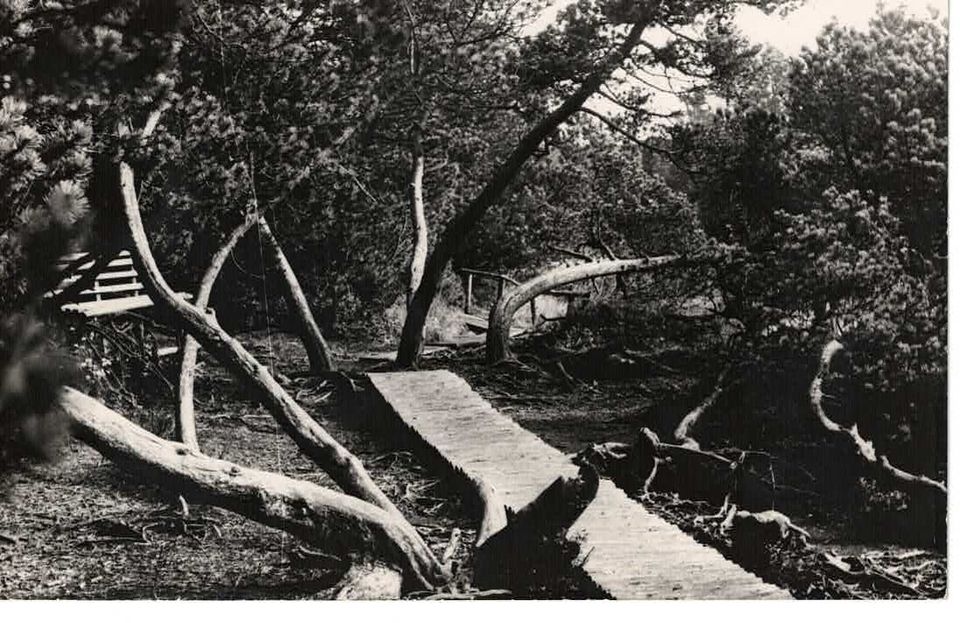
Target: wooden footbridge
[628, 552]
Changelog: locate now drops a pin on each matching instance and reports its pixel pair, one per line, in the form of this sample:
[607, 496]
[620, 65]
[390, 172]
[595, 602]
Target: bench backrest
[115, 289]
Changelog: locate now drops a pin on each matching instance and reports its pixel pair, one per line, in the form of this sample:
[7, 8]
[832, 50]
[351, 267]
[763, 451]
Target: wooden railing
[467, 275]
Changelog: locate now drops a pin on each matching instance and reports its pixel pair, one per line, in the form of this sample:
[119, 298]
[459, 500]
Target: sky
[799, 28]
[788, 33]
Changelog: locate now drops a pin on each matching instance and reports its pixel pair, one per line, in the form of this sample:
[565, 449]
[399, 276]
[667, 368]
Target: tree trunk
[684, 431]
[335, 522]
[501, 316]
[455, 235]
[345, 469]
[186, 421]
[418, 218]
[505, 555]
[317, 350]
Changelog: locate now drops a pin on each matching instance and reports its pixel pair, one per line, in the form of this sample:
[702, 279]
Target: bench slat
[119, 287]
[111, 306]
[120, 262]
[126, 274]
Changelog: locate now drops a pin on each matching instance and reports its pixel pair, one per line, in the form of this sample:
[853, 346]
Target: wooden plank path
[628, 552]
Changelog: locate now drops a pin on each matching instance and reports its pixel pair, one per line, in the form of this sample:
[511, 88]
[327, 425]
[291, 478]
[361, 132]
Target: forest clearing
[469, 300]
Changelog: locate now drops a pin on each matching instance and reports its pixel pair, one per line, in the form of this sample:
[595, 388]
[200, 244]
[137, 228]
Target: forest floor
[79, 528]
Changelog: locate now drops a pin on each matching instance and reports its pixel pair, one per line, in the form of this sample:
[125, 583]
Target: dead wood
[369, 581]
[862, 571]
[684, 431]
[505, 555]
[334, 522]
[345, 469]
[186, 420]
[494, 512]
[878, 464]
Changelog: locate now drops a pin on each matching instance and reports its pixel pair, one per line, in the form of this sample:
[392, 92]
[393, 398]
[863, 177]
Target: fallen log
[503, 558]
[345, 469]
[340, 524]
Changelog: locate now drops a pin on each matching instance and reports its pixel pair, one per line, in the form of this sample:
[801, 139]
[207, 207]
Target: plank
[627, 551]
[111, 306]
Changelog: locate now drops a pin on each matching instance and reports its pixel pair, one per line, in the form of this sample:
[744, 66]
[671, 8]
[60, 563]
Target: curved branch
[186, 420]
[863, 447]
[454, 236]
[501, 316]
[345, 469]
[683, 431]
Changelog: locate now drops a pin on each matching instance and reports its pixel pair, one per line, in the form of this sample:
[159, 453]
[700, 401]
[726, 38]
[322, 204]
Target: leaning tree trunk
[186, 420]
[338, 523]
[317, 350]
[418, 218]
[345, 469]
[456, 234]
[501, 316]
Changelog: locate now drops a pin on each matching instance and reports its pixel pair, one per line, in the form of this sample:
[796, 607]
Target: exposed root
[864, 448]
[684, 431]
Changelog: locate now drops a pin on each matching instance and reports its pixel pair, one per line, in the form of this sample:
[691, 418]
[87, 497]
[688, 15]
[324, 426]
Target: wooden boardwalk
[628, 552]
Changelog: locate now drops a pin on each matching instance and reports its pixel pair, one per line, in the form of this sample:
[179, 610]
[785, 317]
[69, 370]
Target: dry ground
[81, 529]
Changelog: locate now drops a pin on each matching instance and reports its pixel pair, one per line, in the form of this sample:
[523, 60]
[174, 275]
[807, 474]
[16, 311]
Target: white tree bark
[186, 418]
[878, 463]
[334, 522]
[684, 431]
[501, 316]
[418, 218]
[345, 469]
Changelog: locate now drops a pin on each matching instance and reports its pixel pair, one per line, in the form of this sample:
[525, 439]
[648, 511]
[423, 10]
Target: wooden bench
[115, 290]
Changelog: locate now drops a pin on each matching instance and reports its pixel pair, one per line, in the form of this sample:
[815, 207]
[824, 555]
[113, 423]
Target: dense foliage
[822, 181]
[838, 194]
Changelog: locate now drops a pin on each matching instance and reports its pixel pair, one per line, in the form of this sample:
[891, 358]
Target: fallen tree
[345, 469]
[501, 316]
[341, 524]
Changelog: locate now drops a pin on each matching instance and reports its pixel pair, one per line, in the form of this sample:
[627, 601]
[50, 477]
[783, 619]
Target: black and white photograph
[473, 300]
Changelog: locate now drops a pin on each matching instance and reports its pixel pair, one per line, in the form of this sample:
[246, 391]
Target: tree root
[684, 431]
[879, 464]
